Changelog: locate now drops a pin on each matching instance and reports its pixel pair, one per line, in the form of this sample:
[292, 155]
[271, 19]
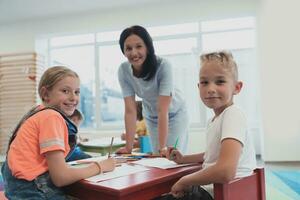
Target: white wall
[20, 36]
[279, 54]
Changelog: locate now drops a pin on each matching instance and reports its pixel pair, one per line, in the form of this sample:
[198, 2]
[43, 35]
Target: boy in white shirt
[229, 153]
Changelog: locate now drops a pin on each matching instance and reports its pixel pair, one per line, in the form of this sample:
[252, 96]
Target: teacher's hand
[123, 150]
[163, 152]
[123, 136]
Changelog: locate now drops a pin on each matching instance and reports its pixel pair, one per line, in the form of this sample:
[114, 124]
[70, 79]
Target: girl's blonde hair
[223, 58]
[52, 75]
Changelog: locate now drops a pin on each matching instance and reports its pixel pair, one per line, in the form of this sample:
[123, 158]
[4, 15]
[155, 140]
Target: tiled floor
[282, 180]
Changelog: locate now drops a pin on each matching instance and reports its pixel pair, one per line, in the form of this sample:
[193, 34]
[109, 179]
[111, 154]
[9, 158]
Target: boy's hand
[178, 189]
[169, 151]
[107, 165]
[175, 155]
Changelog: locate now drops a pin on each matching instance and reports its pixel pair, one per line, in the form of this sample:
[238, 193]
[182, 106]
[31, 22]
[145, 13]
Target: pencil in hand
[110, 148]
[174, 148]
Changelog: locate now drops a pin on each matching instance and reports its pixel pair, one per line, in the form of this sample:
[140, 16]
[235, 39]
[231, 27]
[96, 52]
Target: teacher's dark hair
[150, 65]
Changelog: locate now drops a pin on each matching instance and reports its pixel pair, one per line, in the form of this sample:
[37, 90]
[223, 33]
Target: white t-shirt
[231, 123]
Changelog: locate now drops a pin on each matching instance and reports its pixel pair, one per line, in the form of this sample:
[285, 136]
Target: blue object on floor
[278, 188]
[291, 178]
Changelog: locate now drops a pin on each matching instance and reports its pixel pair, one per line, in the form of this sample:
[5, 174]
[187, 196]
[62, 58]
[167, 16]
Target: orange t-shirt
[43, 132]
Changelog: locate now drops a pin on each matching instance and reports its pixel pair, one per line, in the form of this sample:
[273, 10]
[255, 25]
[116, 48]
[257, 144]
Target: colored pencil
[110, 148]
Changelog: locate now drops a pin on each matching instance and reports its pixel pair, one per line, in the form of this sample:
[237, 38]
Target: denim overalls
[42, 186]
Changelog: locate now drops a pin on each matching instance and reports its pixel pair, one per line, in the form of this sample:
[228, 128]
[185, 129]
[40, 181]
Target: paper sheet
[162, 163]
[123, 170]
[87, 160]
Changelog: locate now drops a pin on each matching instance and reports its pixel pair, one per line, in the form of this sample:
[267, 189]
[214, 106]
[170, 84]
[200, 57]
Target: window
[97, 56]
[238, 36]
[72, 40]
[111, 100]
[81, 60]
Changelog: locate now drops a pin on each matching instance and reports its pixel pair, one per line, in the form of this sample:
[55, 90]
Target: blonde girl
[35, 167]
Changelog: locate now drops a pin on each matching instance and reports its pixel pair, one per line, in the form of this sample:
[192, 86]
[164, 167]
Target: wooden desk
[140, 186]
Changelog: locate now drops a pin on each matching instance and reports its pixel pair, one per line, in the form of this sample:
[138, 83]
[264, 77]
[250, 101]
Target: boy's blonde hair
[52, 75]
[223, 58]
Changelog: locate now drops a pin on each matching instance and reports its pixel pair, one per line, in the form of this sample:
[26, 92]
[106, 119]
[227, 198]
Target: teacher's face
[136, 51]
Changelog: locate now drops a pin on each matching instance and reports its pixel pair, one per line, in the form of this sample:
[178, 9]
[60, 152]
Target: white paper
[123, 170]
[162, 163]
[87, 160]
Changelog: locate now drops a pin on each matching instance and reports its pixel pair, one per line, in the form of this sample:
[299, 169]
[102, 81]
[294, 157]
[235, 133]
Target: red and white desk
[139, 186]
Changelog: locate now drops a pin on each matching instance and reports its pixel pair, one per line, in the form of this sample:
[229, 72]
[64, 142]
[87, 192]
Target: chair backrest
[248, 188]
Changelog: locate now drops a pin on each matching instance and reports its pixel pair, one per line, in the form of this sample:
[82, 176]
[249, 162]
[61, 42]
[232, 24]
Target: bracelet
[99, 166]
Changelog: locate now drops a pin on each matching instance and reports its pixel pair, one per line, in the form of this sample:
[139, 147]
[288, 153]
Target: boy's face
[217, 86]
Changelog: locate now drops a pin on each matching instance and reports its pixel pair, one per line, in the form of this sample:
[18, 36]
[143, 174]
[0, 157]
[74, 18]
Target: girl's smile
[64, 95]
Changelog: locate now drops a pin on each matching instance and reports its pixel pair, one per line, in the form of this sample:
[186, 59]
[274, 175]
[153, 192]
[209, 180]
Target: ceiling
[12, 11]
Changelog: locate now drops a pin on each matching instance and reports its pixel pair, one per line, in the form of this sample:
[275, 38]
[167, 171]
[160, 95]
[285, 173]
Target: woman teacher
[150, 78]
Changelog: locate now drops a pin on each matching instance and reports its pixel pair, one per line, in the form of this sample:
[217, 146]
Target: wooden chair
[247, 188]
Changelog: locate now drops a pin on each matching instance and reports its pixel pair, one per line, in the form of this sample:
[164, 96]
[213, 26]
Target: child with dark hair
[78, 154]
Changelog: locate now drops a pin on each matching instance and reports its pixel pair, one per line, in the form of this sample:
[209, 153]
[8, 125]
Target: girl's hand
[107, 165]
[123, 150]
[178, 189]
[175, 155]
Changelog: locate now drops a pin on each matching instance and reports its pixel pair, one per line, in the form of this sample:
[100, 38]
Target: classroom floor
[282, 180]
